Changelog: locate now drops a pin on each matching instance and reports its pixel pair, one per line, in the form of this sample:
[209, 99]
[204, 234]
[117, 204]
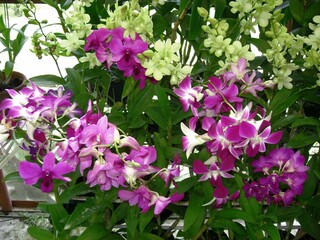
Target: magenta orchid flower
[188, 96]
[32, 172]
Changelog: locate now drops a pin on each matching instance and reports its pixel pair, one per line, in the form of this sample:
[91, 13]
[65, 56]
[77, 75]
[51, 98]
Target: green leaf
[128, 87]
[297, 10]
[83, 98]
[305, 121]
[161, 145]
[149, 236]
[288, 213]
[194, 210]
[282, 100]
[96, 232]
[160, 24]
[187, 184]
[139, 101]
[228, 224]
[219, 6]
[48, 80]
[195, 21]
[58, 215]
[272, 231]
[8, 69]
[14, 176]
[313, 10]
[83, 212]
[250, 205]
[232, 213]
[311, 184]
[75, 190]
[51, 3]
[40, 234]
[302, 139]
[183, 4]
[75, 81]
[144, 220]
[309, 224]
[65, 4]
[261, 44]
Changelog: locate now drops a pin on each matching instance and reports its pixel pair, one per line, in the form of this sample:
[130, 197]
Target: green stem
[203, 229]
[179, 20]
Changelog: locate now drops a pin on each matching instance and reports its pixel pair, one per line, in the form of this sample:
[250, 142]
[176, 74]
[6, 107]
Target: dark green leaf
[288, 213]
[313, 10]
[65, 4]
[82, 213]
[82, 99]
[183, 4]
[187, 184]
[40, 234]
[309, 224]
[219, 6]
[261, 44]
[302, 139]
[160, 23]
[128, 87]
[195, 21]
[297, 10]
[311, 184]
[144, 220]
[282, 100]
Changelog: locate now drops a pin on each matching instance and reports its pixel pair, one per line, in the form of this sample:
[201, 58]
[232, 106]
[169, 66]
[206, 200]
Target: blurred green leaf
[302, 139]
[14, 176]
[40, 234]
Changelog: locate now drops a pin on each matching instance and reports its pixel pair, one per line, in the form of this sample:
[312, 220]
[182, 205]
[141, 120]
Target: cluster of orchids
[233, 132]
[61, 140]
[112, 47]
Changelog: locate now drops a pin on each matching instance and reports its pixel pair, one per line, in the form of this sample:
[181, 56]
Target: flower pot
[17, 82]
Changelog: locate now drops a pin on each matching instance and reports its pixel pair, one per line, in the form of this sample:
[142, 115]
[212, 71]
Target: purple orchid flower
[32, 172]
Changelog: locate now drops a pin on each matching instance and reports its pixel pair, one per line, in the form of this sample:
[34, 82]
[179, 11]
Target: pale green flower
[166, 50]
[312, 59]
[91, 59]
[241, 6]
[132, 18]
[178, 73]
[157, 68]
[72, 42]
